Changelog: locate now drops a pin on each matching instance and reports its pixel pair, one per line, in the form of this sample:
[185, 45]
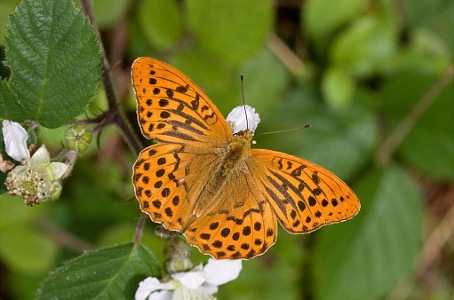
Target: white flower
[237, 119]
[15, 138]
[198, 283]
[37, 179]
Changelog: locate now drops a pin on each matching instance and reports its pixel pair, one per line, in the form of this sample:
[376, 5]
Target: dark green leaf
[363, 258]
[436, 15]
[54, 60]
[10, 106]
[430, 145]
[109, 273]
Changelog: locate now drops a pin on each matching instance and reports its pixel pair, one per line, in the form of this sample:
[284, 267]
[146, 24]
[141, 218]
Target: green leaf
[25, 249]
[265, 80]
[426, 53]
[6, 8]
[436, 15]
[364, 47]
[160, 22]
[322, 16]
[232, 29]
[337, 87]
[363, 258]
[108, 12]
[109, 273]
[210, 74]
[10, 106]
[429, 146]
[13, 212]
[54, 60]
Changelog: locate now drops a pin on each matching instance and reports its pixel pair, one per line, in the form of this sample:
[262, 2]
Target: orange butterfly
[204, 181]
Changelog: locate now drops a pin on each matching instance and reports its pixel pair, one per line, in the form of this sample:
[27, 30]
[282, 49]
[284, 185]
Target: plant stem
[115, 114]
[139, 228]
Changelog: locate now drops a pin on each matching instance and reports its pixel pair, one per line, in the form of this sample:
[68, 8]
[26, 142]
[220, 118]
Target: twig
[293, 63]
[139, 228]
[62, 237]
[390, 144]
[115, 114]
[438, 238]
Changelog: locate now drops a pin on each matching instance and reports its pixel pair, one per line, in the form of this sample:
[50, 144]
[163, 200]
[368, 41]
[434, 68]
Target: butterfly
[206, 182]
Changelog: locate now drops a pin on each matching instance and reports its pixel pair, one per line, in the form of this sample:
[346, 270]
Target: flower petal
[41, 157]
[153, 285]
[237, 118]
[161, 295]
[218, 272]
[186, 293]
[57, 169]
[191, 279]
[15, 138]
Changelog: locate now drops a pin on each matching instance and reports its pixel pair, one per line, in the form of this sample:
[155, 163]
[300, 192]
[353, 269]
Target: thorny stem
[115, 114]
[391, 143]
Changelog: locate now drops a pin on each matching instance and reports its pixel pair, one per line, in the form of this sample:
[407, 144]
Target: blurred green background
[373, 78]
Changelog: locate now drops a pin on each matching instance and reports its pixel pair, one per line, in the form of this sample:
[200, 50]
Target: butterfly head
[245, 135]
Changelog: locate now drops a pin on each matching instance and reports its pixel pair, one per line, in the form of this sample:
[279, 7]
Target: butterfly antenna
[244, 104]
[286, 130]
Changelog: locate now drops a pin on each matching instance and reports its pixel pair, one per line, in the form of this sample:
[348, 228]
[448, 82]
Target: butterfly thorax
[232, 161]
[236, 152]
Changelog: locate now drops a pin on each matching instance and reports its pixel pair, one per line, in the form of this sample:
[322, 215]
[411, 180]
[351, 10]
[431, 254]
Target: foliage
[373, 78]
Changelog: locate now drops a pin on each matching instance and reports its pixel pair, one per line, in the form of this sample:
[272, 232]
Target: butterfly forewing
[167, 181]
[304, 196]
[172, 108]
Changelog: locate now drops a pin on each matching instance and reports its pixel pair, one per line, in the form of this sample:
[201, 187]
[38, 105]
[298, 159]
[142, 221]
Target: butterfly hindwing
[242, 224]
[304, 196]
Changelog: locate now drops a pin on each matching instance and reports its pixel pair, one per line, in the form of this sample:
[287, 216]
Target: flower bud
[78, 138]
